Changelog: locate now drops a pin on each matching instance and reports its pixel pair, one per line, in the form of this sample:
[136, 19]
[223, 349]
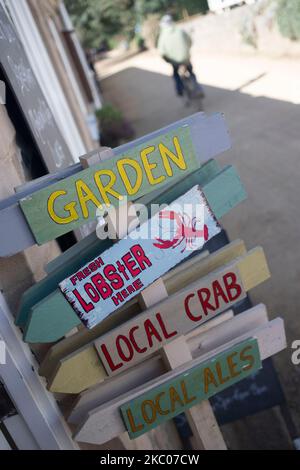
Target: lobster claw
[164, 244]
[205, 232]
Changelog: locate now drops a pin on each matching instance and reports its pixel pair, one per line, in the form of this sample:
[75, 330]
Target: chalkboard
[30, 98]
[254, 394]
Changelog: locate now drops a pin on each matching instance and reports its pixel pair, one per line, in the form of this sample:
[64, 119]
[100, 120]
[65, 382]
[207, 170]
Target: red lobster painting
[185, 231]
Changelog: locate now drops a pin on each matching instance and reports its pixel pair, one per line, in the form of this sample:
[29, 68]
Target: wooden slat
[44, 324]
[200, 341]
[46, 211]
[178, 314]
[140, 374]
[186, 392]
[4, 445]
[20, 432]
[88, 248]
[27, 391]
[210, 137]
[194, 266]
[105, 422]
[220, 257]
[201, 419]
[201, 176]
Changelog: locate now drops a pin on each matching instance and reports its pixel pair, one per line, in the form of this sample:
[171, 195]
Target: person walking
[174, 46]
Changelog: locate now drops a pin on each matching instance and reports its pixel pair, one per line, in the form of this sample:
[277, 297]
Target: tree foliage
[147, 7]
[97, 20]
[288, 17]
[103, 19]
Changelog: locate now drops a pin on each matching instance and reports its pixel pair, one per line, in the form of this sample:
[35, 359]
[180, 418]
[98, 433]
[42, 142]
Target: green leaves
[96, 20]
[102, 20]
[288, 18]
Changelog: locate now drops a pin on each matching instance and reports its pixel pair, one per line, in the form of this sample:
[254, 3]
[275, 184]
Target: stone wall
[248, 28]
[20, 271]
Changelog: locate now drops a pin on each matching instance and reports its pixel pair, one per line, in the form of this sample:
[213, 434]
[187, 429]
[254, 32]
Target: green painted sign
[72, 202]
[172, 397]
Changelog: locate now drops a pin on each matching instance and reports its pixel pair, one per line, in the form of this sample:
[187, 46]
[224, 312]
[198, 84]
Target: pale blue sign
[110, 280]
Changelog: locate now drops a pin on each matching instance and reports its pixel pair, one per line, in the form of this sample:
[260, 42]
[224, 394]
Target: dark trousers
[177, 79]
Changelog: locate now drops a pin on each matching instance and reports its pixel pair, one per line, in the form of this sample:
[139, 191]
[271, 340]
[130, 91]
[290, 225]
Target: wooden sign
[89, 247]
[202, 176]
[149, 251]
[46, 315]
[201, 264]
[205, 341]
[186, 390]
[79, 353]
[209, 135]
[97, 411]
[175, 316]
[67, 205]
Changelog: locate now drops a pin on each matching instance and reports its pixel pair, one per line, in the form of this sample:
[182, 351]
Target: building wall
[43, 12]
[21, 271]
[18, 272]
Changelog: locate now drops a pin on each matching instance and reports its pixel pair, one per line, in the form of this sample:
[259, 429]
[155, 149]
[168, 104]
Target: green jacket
[174, 44]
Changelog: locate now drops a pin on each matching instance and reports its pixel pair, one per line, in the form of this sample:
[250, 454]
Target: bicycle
[193, 91]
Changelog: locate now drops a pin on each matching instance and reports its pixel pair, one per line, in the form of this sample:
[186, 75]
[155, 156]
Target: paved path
[259, 97]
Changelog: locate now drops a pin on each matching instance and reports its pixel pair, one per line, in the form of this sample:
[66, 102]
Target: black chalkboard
[30, 98]
[254, 394]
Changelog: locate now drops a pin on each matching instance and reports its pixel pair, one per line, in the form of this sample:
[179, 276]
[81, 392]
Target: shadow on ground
[265, 150]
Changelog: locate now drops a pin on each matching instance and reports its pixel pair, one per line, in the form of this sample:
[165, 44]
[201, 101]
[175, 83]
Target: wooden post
[201, 418]
[118, 232]
[148, 297]
[92, 158]
[206, 432]
[118, 229]
[87, 161]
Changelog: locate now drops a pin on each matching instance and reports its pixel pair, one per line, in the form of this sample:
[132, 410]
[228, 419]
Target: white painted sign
[148, 252]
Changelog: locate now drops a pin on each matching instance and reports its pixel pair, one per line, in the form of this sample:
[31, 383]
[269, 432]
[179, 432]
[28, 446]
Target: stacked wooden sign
[151, 337]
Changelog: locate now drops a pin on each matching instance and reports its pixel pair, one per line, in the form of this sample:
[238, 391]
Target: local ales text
[174, 396]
